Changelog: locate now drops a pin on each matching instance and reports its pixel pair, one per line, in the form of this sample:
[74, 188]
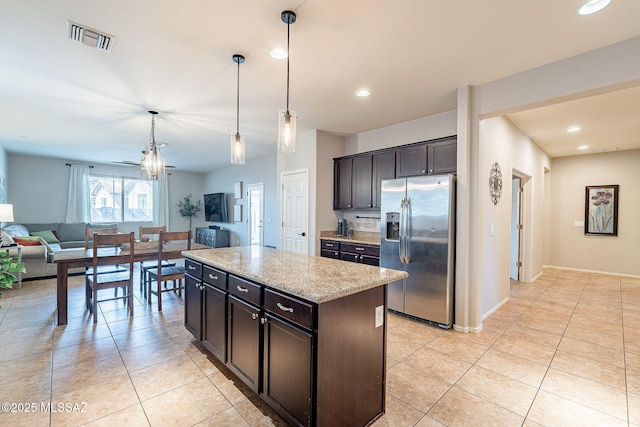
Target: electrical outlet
[379, 316]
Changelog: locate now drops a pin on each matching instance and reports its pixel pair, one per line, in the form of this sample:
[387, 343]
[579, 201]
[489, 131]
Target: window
[117, 199]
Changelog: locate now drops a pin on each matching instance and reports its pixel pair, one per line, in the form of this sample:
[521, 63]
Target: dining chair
[147, 265]
[88, 244]
[162, 274]
[116, 278]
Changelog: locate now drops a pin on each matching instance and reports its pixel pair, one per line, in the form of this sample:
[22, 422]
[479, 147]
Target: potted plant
[8, 266]
[188, 209]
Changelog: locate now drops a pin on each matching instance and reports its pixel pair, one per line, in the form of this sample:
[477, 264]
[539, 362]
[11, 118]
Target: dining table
[67, 259]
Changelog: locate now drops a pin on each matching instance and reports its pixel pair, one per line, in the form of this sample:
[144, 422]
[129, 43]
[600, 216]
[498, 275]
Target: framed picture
[601, 210]
[237, 190]
[237, 213]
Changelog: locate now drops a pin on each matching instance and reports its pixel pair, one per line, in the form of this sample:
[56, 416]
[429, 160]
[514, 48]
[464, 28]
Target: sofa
[40, 242]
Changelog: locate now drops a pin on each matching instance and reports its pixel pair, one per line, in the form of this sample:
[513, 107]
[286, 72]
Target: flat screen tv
[215, 207]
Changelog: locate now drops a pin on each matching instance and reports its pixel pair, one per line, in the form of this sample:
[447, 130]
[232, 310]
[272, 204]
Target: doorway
[295, 207]
[515, 260]
[255, 214]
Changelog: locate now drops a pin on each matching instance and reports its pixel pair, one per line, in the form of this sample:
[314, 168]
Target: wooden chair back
[89, 232]
[172, 236]
[150, 231]
[101, 240]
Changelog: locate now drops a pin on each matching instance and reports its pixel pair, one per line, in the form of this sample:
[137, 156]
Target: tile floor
[564, 351]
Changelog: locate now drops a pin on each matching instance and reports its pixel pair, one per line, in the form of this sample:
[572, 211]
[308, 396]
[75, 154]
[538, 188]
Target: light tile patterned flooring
[564, 351]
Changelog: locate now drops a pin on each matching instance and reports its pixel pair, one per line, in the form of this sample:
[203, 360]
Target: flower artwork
[601, 210]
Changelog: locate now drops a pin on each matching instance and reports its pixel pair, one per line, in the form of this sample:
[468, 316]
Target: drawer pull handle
[191, 267]
[329, 245]
[211, 276]
[254, 316]
[359, 249]
[241, 289]
[283, 308]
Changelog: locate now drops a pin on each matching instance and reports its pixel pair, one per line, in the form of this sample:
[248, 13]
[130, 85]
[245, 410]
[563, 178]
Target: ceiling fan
[130, 163]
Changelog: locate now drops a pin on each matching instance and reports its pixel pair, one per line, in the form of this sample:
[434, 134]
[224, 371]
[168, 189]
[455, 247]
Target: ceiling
[63, 99]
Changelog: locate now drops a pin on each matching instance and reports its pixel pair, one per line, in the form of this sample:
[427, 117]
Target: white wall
[222, 180]
[502, 142]
[570, 247]
[38, 189]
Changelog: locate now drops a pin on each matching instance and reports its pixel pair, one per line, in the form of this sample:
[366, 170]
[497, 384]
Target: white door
[516, 227]
[295, 206]
[255, 215]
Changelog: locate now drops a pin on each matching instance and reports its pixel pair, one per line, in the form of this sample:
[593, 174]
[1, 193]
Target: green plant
[188, 209]
[8, 266]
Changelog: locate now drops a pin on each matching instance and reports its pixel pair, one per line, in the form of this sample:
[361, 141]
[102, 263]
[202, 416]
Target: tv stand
[212, 237]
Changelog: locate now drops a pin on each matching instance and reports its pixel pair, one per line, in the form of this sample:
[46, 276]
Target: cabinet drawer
[246, 290]
[331, 245]
[194, 268]
[370, 260]
[214, 277]
[349, 257]
[360, 249]
[330, 254]
[292, 309]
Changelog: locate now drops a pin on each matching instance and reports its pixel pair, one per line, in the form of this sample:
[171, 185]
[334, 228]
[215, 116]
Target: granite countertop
[365, 237]
[312, 278]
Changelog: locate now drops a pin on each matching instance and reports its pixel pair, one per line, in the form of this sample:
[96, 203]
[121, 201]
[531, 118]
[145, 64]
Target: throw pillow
[47, 236]
[27, 240]
[18, 230]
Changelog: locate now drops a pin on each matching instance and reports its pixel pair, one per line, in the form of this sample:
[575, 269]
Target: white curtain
[161, 202]
[78, 204]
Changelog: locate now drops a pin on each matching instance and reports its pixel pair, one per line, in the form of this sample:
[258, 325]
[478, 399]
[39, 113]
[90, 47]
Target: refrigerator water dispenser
[393, 226]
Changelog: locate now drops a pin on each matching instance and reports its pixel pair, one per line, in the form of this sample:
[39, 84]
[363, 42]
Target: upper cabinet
[342, 169]
[442, 157]
[358, 178]
[384, 167]
[411, 161]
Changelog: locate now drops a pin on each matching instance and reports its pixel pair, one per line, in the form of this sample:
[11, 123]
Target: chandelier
[152, 162]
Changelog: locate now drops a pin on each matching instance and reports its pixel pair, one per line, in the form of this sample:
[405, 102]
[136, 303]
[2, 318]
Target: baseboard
[609, 273]
[495, 308]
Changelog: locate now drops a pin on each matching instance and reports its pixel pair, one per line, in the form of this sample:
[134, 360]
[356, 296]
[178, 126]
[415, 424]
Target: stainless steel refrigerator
[417, 227]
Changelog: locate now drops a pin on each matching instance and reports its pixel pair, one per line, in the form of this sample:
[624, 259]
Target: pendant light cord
[238, 101]
[288, 56]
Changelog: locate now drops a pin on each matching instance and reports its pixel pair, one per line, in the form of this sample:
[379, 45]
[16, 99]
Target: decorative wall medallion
[495, 183]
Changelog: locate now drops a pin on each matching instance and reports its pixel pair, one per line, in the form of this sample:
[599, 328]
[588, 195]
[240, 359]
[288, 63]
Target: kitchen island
[307, 334]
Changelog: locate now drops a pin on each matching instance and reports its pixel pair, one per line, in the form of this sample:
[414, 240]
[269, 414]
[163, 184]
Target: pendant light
[152, 161]
[287, 118]
[237, 140]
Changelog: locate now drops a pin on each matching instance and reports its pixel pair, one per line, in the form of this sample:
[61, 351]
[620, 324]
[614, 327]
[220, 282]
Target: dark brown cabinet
[353, 252]
[411, 161]
[384, 167]
[361, 182]
[443, 157]
[243, 336]
[287, 350]
[288, 370]
[193, 305]
[358, 178]
[214, 323]
[342, 183]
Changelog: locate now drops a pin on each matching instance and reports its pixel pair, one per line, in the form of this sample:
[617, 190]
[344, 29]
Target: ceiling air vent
[89, 36]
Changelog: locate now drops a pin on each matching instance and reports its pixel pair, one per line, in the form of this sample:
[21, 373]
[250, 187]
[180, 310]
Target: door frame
[526, 219]
[282, 207]
[259, 185]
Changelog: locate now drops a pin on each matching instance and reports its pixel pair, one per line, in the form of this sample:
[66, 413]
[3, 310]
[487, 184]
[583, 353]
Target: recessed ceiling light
[363, 92]
[278, 53]
[574, 129]
[583, 147]
[593, 6]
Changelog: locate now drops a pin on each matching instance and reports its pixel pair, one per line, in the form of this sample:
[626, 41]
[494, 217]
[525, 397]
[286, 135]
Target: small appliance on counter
[340, 227]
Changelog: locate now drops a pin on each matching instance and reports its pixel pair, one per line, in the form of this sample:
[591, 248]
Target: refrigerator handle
[407, 229]
[402, 246]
